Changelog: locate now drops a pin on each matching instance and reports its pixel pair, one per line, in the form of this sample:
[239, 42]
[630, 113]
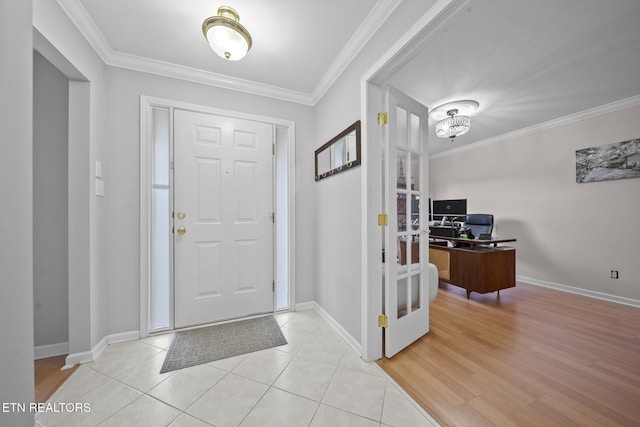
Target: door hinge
[383, 119]
[273, 286]
[383, 220]
[383, 321]
[273, 149]
[273, 217]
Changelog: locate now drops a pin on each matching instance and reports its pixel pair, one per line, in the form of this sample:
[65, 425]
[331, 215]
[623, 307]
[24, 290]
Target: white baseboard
[579, 291]
[90, 356]
[97, 350]
[339, 329]
[123, 336]
[50, 350]
[305, 305]
[77, 359]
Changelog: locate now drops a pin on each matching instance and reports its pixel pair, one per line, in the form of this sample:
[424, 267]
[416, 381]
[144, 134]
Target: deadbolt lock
[181, 215]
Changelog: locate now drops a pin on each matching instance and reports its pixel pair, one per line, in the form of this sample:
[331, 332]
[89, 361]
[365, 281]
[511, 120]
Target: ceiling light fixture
[457, 121]
[226, 36]
[453, 125]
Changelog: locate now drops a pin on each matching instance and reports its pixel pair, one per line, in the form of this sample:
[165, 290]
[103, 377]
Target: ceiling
[526, 62]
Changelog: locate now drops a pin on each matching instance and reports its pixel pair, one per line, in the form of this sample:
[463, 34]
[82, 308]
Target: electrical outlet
[614, 274]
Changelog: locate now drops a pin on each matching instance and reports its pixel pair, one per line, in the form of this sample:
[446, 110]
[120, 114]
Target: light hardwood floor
[528, 357]
[49, 377]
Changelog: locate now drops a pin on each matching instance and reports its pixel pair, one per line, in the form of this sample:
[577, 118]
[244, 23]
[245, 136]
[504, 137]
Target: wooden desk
[475, 268]
[494, 241]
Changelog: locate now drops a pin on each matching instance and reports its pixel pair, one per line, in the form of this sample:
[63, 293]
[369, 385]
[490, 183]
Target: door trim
[146, 104]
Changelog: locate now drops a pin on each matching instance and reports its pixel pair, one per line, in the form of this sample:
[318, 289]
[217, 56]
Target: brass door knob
[181, 215]
[181, 230]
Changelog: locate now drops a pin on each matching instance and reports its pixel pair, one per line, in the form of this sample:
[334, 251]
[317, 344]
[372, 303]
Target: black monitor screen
[450, 209]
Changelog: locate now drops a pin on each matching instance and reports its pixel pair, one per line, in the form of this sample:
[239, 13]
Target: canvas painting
[611, 161]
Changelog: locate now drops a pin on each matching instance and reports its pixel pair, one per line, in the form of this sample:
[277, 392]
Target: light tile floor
[315, 380]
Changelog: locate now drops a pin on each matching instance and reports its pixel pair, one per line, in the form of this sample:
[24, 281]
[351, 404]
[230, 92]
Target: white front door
[223, 218]
[406, 200]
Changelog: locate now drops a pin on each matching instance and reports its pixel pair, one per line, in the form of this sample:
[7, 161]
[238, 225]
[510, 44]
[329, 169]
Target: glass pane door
[408, 194]
[406, 299]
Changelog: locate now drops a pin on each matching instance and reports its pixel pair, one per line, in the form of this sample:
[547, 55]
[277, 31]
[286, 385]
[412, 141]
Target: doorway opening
[51, 209]
[62, 319]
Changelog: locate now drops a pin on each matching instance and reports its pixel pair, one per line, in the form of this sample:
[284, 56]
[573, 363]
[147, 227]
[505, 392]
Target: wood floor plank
[49, 376]
[530, 356]
[579, 413]
[491, 412]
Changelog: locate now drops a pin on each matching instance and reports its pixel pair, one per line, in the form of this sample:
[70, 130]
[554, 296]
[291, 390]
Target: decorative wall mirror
[339, 154]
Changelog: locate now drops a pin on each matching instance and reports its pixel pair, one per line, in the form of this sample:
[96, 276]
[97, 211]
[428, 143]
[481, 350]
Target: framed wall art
[612, 161]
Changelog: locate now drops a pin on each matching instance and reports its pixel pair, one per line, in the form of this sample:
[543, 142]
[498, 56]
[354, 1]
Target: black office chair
[480, 225]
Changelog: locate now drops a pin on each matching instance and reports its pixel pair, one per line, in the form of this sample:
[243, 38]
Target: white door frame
[146, 105]
[371, 102]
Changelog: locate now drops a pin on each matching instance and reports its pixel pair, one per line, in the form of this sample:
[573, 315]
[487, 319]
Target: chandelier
[226, 36]
[454, 124]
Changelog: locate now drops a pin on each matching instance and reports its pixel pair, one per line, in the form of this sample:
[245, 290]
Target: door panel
[223, 184]
[209, 203]
[406, 163]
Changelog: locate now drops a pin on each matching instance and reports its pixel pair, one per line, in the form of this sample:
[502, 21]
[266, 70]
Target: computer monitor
[450, 208]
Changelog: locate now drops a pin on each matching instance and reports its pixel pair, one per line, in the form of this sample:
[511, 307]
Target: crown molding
[370, 25]
[167, 69]
[572, 118]
[87, 27]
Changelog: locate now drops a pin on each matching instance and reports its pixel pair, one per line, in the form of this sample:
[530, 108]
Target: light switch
[99, 187]
[98, 169]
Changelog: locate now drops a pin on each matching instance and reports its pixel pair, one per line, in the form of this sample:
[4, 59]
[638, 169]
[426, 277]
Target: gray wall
[569, 234]
[328, 230]
[338, 199]
[16, 178]
[121, 169]
[50, 199]
[113, 239]
[64, 46]
[104, 283]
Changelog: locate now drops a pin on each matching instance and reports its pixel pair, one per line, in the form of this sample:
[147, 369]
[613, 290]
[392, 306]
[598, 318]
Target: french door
[406, 201]
[223, 223]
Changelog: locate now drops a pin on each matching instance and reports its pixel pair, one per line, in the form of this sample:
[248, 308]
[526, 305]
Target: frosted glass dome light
[226, 36]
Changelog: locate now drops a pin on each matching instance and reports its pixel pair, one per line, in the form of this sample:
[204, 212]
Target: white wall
[569, 234]
[16, 181]
[50, 198]
[121, 170]
[338, 199]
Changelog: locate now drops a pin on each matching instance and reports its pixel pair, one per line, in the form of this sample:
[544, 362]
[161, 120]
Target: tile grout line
[343, 364]
[275, 380]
